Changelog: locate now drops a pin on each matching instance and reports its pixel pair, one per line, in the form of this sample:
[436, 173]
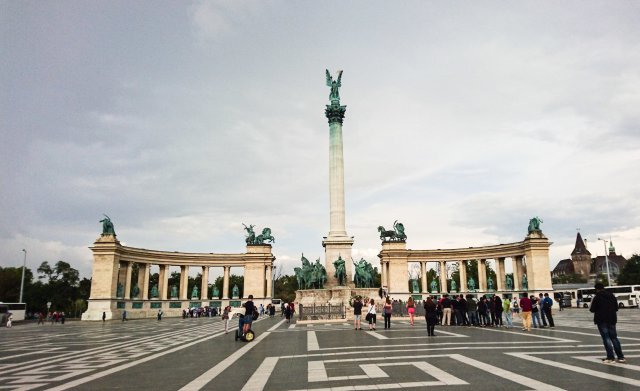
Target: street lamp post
[606, 261]
[24, 265]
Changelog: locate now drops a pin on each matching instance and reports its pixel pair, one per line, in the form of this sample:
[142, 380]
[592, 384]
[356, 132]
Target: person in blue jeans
[604, 307]
[535, 312]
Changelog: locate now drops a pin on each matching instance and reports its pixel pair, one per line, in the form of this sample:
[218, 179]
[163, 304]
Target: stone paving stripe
[376, 335]
[212, 373]
[293, 326]
[373, 371]
[585, 371]
[528, 334]
[508, 375]
[312, 341]
[438, 373]
[593, 334]
[316, 371]
[260, 377]
[130, 364]
[597, 359]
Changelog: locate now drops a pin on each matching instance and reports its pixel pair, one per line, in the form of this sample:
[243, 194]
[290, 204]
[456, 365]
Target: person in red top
[526, 306]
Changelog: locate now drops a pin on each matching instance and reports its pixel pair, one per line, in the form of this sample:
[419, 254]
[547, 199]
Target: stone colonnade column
[482, 274]
[225, 282]
[184, 280]
[423, 276]
[145, 280]
[383, 274]
[164, 281]
[204, 285]
[443, 276]
[500, 284]
[517, 278]
[269, 277]
[463, 276]
[127, 281]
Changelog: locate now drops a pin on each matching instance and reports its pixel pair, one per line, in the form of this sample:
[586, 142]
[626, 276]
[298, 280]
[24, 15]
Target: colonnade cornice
[457, 254]
[175, 258]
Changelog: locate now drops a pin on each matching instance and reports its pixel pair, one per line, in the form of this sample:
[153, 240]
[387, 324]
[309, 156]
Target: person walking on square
[446, 310]
[431, 316]
[525, 306]
[10, 320]
[387, 309]
[472, 308]
[225, 318]
[104, 316]
[547, 303]
[535, 312]
[515, 308]
[411, 309]
[357, 313]
[160, 314]
[604, 307]
[371, 314]
[124, 316]
[543, 315]
[506, 307]
[498, 308]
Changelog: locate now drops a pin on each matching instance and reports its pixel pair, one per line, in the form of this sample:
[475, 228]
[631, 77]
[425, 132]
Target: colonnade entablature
[529, 260]
[113, 290]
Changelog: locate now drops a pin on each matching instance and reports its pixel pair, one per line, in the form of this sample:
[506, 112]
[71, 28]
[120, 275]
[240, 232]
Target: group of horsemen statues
[314, 275]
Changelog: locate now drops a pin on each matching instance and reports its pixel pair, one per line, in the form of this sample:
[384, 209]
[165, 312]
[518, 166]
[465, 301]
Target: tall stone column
[423, 276]
[463, 276]
[269, 278]
[127, 281]
[517, 273]
[337, 243]
[184, 282]
[145, 280]
[164, 282]
[482, 275]
[225, 283]
[443, 277]
[501, 283]
[204, 285]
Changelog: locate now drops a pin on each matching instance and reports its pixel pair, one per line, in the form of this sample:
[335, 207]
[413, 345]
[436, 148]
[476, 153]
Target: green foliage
[10, 278]
[630, 273]
[59, 284]
[601, 277]
[285, 288]
[233, 280]
[569, 279]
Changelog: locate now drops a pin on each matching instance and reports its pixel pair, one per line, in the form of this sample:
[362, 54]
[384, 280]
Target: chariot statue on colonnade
[397, 235]
[534, 224]
[107, 226]
[260, 239]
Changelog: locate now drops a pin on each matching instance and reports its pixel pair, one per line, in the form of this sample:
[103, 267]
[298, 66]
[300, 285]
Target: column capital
[335, 113]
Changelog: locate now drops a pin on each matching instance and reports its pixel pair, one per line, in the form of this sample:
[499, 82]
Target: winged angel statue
[335, 85]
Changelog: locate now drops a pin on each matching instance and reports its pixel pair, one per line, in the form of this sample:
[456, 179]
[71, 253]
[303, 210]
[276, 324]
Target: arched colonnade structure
[113, 265]
[530, 257]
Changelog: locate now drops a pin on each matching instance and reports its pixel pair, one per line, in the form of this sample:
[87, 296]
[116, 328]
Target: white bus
[626, 295]
[18, 310]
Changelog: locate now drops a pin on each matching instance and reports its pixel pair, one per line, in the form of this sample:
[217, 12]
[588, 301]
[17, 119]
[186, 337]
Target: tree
[10, 279]
[630, 273]
[285, 288]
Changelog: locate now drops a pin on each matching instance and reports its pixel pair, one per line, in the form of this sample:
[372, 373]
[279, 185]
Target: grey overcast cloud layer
[183, 120]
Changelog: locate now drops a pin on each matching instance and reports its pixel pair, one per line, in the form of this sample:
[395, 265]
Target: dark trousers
[547, 313]
[387, 321]
[610, 340]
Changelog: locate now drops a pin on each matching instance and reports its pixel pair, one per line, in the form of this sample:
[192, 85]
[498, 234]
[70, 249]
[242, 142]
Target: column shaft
[204, 286]
[225, 283]
[482, 275]
[145, 281]
[184, 282]
[127, 282]
[269, 277]
[164, 281]
[443, 277]
[423, 276]
[336, 181]
[463, 276]
[517, 274]
[500, 284]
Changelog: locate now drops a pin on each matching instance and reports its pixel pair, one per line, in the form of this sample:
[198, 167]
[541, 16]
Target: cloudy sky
[183, 120]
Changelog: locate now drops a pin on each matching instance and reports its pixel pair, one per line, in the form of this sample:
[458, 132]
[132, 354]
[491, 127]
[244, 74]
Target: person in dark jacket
[431, 316]
[604, 307]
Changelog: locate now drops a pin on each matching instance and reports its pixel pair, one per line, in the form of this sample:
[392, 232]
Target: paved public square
[194, 354]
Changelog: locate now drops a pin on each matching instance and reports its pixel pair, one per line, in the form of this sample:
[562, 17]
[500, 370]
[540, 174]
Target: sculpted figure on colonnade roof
[534, 224]
[107, 226]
